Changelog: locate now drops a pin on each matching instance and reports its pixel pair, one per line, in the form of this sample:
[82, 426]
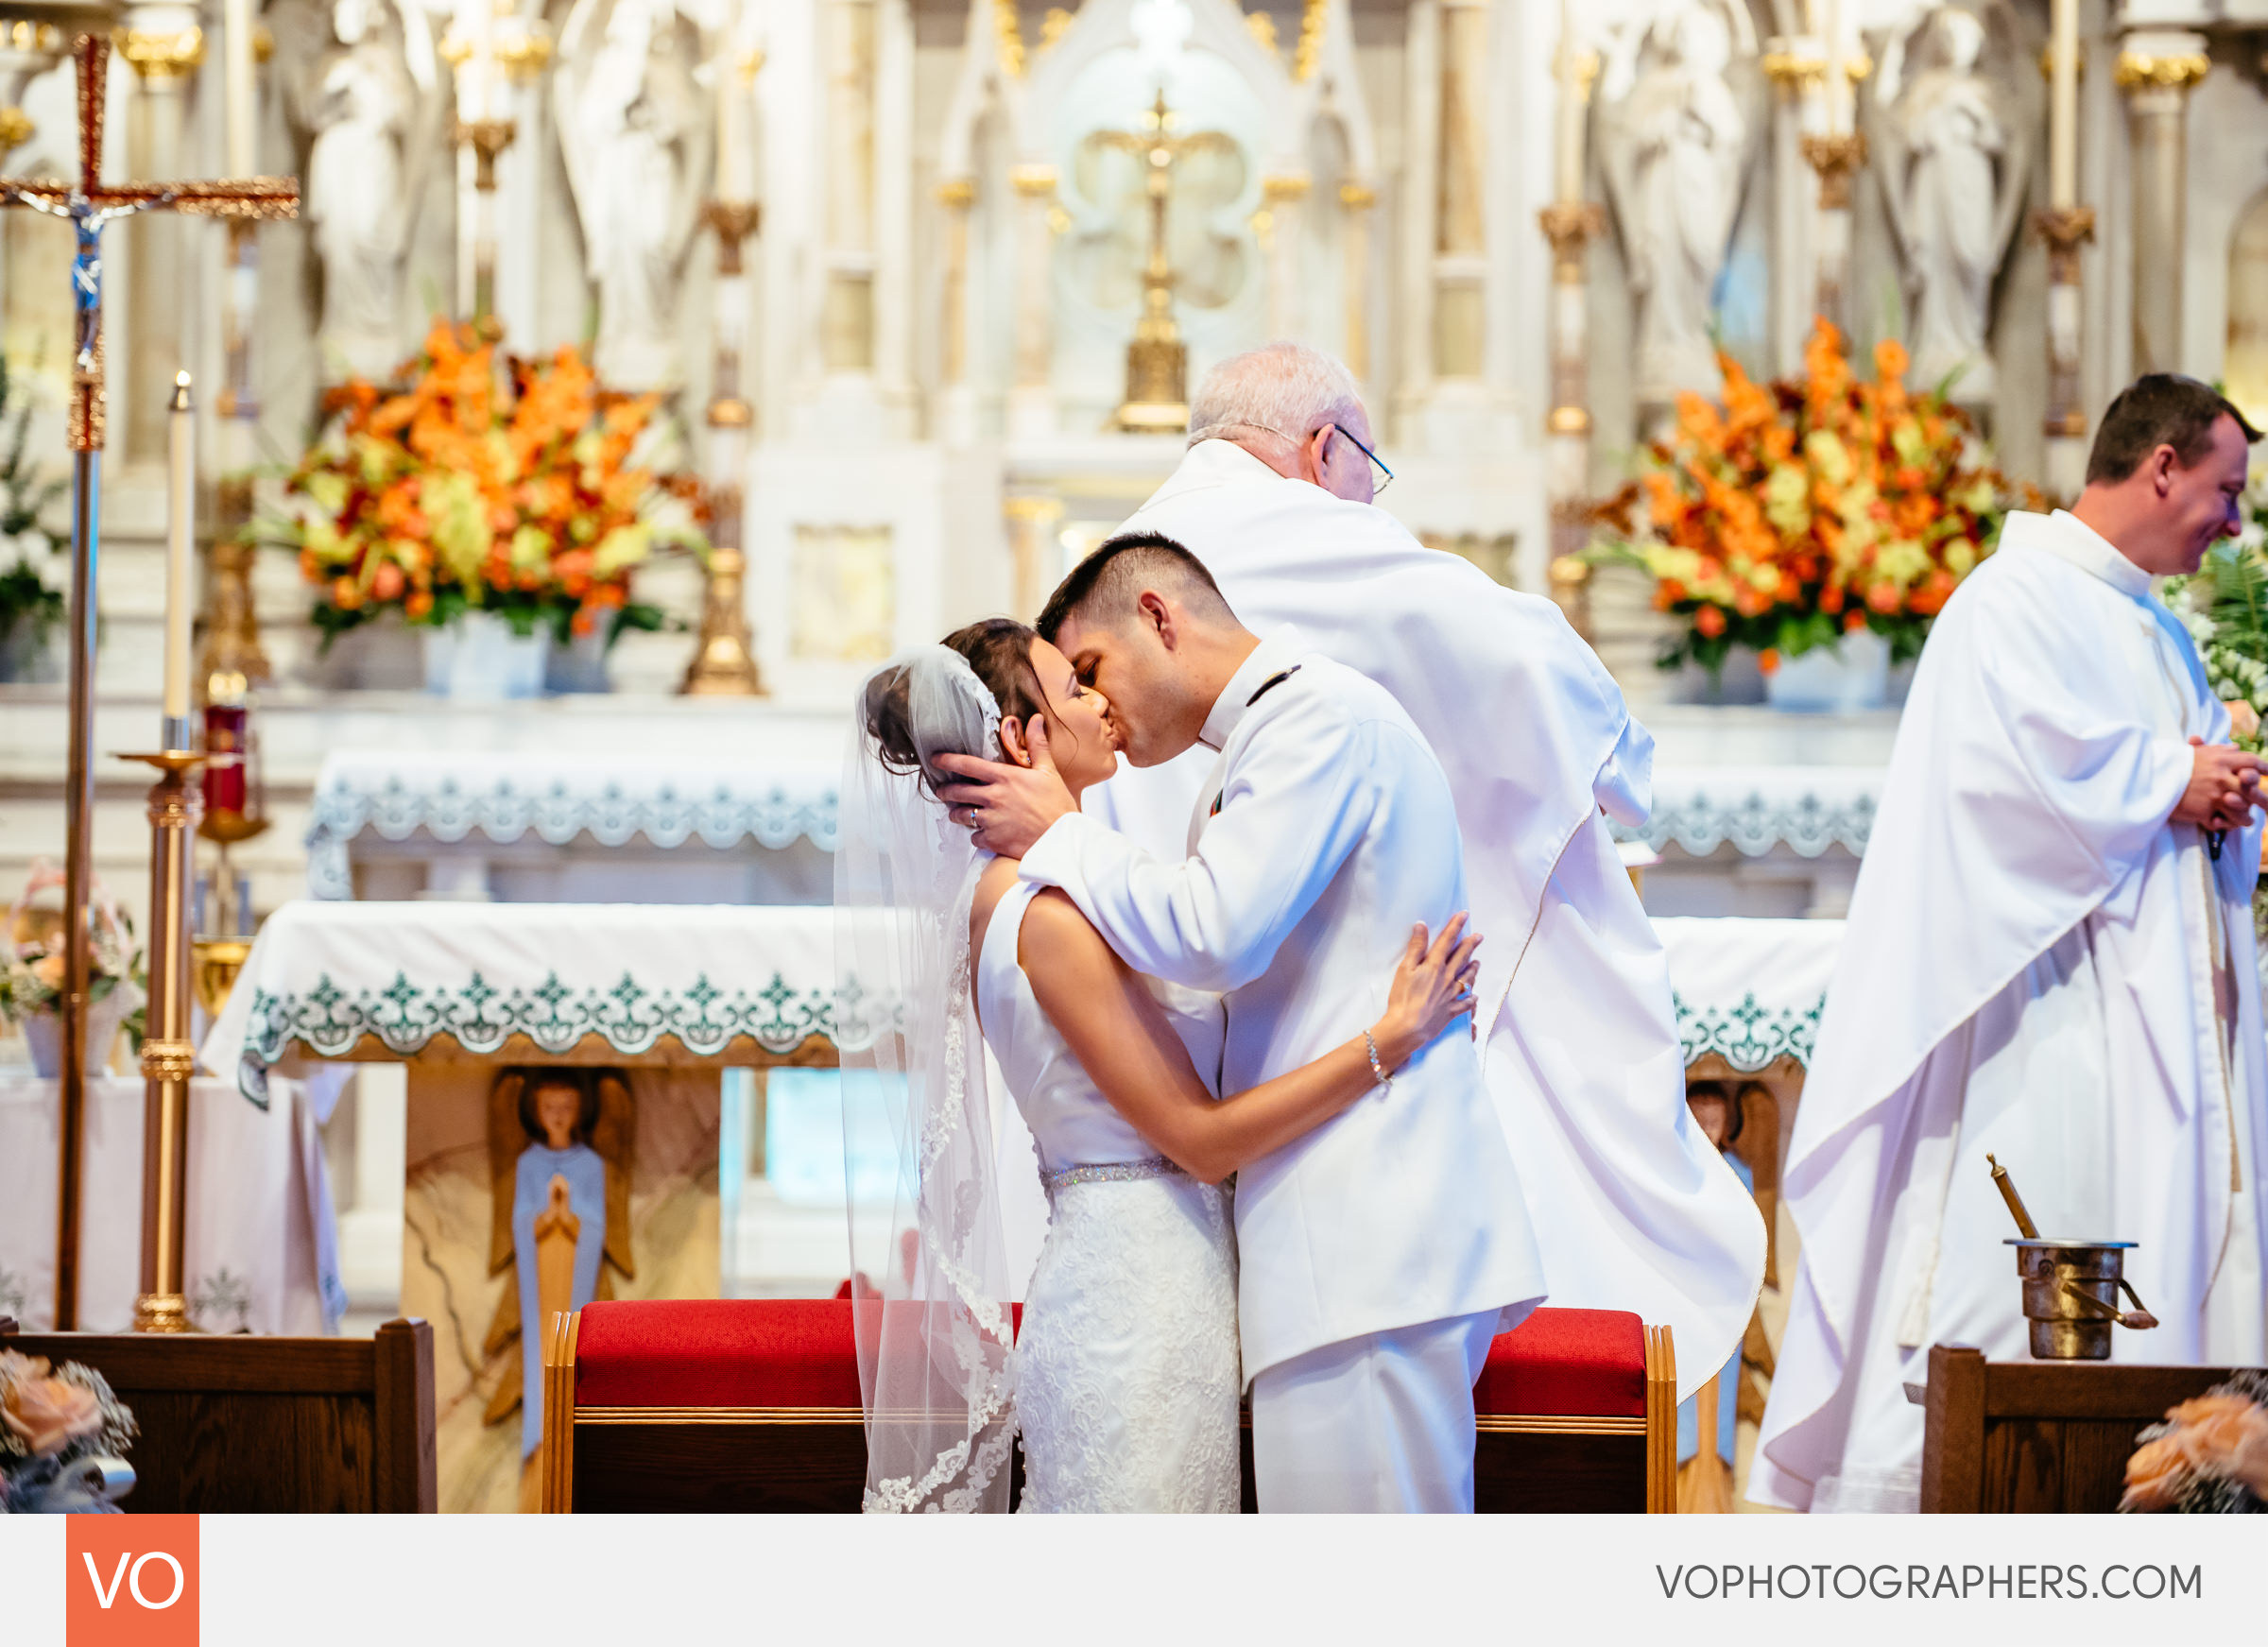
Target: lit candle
[181, 558]
[2063, 108]
[236, 69]
[1571, 112]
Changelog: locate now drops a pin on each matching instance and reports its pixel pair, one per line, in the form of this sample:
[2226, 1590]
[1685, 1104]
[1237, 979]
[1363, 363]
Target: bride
[1124, 1379]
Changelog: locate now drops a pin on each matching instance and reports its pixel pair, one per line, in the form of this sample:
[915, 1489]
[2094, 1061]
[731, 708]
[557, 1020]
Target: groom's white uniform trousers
[1380, 1254]
[1633, 1208]
[2040, 965]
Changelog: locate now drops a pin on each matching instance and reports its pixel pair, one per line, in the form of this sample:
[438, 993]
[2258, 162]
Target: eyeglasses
[1384, 476]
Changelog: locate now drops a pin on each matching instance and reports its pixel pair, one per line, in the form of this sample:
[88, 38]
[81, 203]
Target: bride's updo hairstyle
[911, 727]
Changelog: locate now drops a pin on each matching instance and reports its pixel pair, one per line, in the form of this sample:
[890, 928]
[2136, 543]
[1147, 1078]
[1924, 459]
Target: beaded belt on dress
[1109, 1173]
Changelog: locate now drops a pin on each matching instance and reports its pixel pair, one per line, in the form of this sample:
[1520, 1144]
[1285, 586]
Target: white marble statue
[1954, 179]
[1676, 141]
[633, 129]
[361, 104]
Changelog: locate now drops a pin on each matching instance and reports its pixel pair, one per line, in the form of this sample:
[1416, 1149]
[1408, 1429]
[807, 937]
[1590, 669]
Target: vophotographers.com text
[1886, 1581]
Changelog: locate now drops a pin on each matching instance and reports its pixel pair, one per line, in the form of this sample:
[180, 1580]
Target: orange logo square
[131, 1581]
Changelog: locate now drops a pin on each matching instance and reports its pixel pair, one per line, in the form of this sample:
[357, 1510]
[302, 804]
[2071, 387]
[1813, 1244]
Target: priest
[1633, 1208]
[2048, 959]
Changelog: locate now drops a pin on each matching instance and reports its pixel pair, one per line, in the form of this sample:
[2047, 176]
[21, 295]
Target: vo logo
[131, 1581]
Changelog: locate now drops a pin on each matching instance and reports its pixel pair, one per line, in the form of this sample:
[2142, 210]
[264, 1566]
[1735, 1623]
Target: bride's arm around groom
[1382, 1252]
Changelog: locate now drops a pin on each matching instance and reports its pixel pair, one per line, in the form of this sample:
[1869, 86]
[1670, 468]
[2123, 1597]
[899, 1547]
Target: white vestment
[1632, 1206]
[1334, 830]
[2037, 965]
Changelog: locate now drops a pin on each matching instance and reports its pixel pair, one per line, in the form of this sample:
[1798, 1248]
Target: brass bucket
[2071, 1297]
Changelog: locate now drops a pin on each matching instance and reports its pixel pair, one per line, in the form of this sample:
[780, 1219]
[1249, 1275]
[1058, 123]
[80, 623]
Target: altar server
[1633, 1207]
[2050, 958]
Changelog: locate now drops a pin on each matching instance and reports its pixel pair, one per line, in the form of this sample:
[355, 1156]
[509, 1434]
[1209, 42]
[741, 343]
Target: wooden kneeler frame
[1522, 1462]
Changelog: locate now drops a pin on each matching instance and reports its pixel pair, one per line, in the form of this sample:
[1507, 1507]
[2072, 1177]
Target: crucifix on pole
[92, 205]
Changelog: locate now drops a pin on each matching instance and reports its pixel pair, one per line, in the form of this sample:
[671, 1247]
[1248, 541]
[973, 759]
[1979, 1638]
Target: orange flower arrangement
[461, 490]
[1798, 512]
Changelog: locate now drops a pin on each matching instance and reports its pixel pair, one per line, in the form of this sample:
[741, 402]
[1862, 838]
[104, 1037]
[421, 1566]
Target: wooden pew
[253, 1424]
[2039, 1438]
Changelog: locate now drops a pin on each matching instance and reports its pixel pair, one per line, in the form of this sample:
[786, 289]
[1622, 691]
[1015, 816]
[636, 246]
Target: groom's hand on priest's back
[1009, 807]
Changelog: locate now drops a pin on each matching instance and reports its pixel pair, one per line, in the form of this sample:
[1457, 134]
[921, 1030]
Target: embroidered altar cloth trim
[1805, 809]
[1750, 991]
[323, 975]
[774, 800]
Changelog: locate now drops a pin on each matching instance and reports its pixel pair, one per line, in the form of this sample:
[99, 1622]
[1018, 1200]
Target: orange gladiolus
[1709, 620]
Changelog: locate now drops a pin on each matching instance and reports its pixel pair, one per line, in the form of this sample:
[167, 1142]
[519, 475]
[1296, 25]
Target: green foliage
[26, 602]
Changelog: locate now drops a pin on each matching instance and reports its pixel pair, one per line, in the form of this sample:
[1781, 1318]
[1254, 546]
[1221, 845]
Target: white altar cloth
[1805, 809]
[1749, 990]
[262, 1247]
[323, 975]
[774, 797]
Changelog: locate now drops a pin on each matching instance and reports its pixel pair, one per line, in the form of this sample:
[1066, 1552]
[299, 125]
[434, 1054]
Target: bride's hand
[1432, 988]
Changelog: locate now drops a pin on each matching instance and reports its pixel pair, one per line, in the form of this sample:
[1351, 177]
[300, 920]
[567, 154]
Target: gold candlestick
[167, 1057]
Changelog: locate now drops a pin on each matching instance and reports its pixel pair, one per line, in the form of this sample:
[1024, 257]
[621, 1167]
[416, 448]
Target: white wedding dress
[1126, 1374]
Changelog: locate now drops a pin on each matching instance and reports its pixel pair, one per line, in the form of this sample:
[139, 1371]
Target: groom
[1380, 1254]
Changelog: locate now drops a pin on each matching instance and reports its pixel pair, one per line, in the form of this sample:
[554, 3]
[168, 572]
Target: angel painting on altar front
[559, 1156]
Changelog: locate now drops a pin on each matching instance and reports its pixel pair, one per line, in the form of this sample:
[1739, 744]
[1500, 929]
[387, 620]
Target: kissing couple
[1291, 1004]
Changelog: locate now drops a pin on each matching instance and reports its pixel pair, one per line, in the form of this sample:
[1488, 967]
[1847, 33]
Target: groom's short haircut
[1104, 587]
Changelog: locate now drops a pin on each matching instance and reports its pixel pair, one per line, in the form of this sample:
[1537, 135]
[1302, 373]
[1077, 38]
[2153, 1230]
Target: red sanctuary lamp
[235, 810]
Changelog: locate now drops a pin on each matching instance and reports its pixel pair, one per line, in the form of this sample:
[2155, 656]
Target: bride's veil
[931, 1313]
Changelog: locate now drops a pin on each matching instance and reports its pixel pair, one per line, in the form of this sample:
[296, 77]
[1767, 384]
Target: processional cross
[92, 205]
[1157, 360]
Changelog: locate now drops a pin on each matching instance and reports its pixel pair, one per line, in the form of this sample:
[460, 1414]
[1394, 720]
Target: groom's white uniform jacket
[1633, 1208]
[1335, 832]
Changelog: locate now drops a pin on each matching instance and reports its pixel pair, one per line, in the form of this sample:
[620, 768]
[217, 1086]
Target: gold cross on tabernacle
[91, 204]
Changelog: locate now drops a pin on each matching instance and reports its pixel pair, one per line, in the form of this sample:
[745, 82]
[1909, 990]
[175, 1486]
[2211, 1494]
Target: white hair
[1287, 390]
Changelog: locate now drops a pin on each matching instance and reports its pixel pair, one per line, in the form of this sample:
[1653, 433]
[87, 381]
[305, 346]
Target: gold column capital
[958, 192]
[1837, 159]
[161, 54]
[16, 128]
[1357, 196]
[1793, 70]
[2161, 71]
[1283, 187]
[1570, 226]
[1034, 183]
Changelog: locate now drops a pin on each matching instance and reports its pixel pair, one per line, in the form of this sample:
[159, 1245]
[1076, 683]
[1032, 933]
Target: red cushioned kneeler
[753, 1405]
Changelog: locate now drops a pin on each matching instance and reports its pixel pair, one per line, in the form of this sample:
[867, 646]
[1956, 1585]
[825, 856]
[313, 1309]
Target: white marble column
[1460, 229]
[846, 319]
[1420, 212]
[1284, 198]
[1356, 198]
[1797, 66]
[523, 50]
[1031, 394]
[956, 410]
[163, 45]
[893, 208]
[2156, 68]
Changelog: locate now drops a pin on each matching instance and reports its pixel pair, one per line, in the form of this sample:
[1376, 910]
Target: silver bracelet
[1377, 1067]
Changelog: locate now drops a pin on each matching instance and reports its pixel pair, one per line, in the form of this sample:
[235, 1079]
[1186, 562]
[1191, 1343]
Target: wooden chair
[753, 1406]
[2039, 1438]
[270, 1425]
